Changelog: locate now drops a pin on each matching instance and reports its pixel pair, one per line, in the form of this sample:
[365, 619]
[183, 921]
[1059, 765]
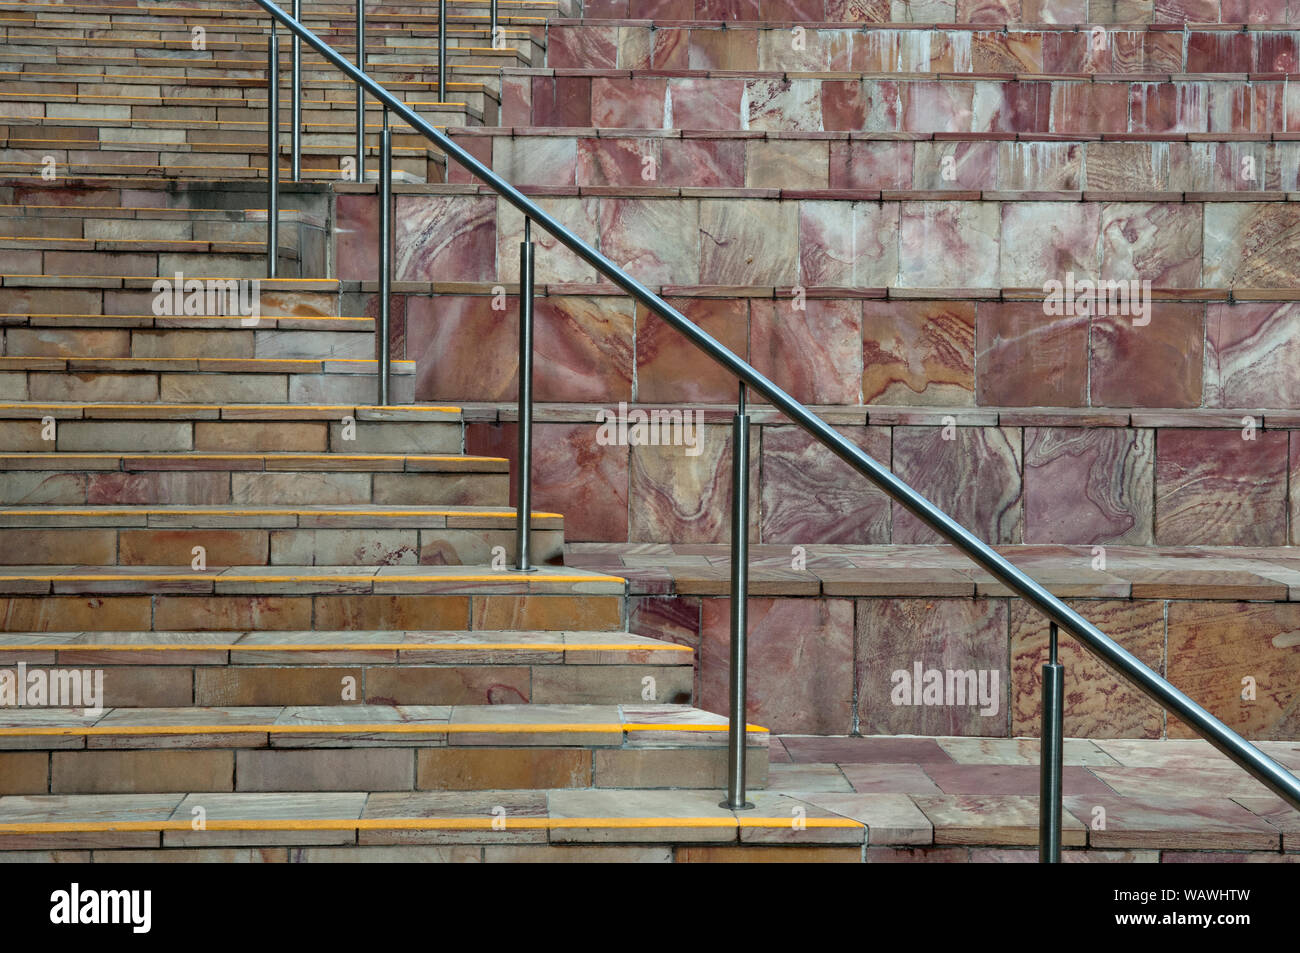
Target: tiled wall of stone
[820, 239]
[824, 665]
[722, 100]
[953, 11]
[730, 46]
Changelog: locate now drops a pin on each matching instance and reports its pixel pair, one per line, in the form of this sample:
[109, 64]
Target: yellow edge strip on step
[215, 576]
[7, 648]
[400, 728]
[425, 823]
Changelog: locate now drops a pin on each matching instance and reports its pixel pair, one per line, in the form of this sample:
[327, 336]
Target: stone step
[911, 47]
[852, 101]
[181, 669]
[252, 479]
[232, 343]
[376, 747]
[244, 536]
[987, 162]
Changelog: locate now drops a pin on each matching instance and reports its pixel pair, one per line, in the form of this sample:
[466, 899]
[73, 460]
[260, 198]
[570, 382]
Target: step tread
[148, 515]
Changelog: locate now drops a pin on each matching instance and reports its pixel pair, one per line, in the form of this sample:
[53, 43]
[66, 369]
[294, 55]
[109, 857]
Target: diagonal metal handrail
[1266, 770]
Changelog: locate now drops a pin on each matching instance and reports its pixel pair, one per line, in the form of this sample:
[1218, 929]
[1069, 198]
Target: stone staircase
[311, 644]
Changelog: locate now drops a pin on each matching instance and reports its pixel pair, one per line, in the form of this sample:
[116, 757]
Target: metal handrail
[1268, 771]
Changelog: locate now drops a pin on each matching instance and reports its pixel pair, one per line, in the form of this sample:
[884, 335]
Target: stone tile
[232, 808]
[471, 815]
[24, 772]
[948, 245]
[890, 818]
[1043, 241]
[1035, 166]
[474, 769]
[1250, 245]
[974, 477]
[1119, 166]
[859, 164]
[682, 497]
[813, 352]
[124, 772]
[1089, 486]
[261, 685]
[1172, 822]
[1215, 646]
[790, 105]
[624, 103]
[1215, 487]
[1020, 779]
[1101, 705]
[811, 496]
[1211, 779]
[811, 636]
[917, 855]
[552, 262]
[1159, 365]
[918, 353]
[889, 779]
[1156, 243]
[847, 751]
[748, 242]
[718, 824]
[672, 768]
[1028, 358]
[768, 855]
[846, 244]
[370, 769]
[965, 638]
[653, 239]
[992, 818]
[671, 369]
[1078, 751]
[1248, 351]
[808, 777]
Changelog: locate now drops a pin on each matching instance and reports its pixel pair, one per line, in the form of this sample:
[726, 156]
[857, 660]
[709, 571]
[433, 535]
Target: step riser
[450, 768]
[306, 436]
[202, 388]
[145, 613]
[182, 686]
[221, 488]
[86, 546]
[79, 342]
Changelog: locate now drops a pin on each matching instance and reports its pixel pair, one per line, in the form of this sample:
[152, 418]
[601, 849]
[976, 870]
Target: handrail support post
[385, 258]
[737, 724]
[523, 510]
[1051, 757]
[272, 153]
[361, 93]
[296, 109]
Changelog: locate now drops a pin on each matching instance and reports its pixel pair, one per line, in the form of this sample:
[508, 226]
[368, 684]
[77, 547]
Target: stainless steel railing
[1255, 762]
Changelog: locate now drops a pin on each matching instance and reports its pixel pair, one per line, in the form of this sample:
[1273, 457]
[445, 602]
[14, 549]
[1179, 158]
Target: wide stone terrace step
[1203, 573]
[873, 799]
[907, 47]
[851, 101]
[960, 162]
[374, 747]
[178, 669]
[266, 536]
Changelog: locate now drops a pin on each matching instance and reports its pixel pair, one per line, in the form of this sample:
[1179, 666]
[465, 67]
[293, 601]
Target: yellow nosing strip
[426, 823]
[215, 576]
[401, 728]
[11, 648]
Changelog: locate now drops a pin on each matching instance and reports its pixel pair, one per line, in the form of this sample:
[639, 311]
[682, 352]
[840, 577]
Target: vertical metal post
[492, 31]
[361, 93]
[1050, 758]
[737, 725]
[296, 111]
[442, 51]
[385, 255]
[525, 501]
[272, 152]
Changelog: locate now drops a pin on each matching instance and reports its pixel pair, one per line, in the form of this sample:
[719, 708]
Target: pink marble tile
[805, 11]
[1219, 51]
[702, 163]
[463, 349]
[843, 106]
[1025, 358]
[889, 779]
[542, 160]
[848, 244]
[1076, 52]
[956, 165]
[480, 147]
[884, 102]
[1173, 822]
[1250, 245]
[1042, 241]
[918, 353]
[605, 9]
[811, 496]
[356, 231]
[1010, 779]
[1054, 11]
[784, 104]
[724, 49]
[938, 106]
[1012, 107]
[583, 349]
[1185, 11]
[1090, 107]
[552, 262]
[624, 161]
[660, 9]
[582, 47]
[561, 101]
[573, 474]
[1156, 243]
[815, 354]
[1253, 11]
[1237, 108]
[444, 238]
[669, 369]
[732, 10]
[974, 477]
[516, 100]
[1146, 52]
[705, 103]
[960, 635]
[948, 245]
[618, 103]
[1214, 488]
[988, 11]
[871, 165]
[812, 638]
[1088, 486]
[670, 49]
[994, 51]
[682, 497]
[865, 751]
[654, 239]
[1036, 166]
[748, 242]
[1252, 357]
[667, 618]
[1168, 107]
[1157, 365]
